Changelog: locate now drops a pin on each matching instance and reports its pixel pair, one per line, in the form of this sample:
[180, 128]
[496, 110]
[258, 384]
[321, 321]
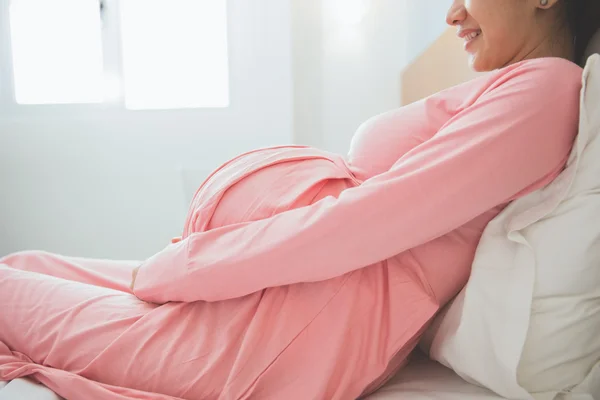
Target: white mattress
[427, 380]
[422, 380]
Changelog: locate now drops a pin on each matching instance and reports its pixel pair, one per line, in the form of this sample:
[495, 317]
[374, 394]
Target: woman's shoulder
[546, 64]
[542, 78]
[540, 75]
[542, 88]
[538, 81]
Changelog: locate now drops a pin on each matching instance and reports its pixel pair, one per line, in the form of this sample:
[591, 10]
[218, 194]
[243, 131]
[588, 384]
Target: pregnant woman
[303, 274]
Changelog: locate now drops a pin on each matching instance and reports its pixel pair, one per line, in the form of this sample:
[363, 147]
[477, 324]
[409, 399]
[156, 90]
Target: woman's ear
[545, 4]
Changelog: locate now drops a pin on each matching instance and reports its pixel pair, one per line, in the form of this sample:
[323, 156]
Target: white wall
[427, 21]
[116, 184]
[361, 67]
[346, 71]
[307, 67]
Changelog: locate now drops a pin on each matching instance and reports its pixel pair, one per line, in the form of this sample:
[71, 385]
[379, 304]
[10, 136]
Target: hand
[135, 271]
[133, 276]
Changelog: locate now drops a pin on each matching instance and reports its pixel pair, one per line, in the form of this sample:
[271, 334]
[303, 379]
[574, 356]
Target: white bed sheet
[422, 380]
[24, 389]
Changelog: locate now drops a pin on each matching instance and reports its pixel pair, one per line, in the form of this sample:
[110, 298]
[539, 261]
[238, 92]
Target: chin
[479, 64]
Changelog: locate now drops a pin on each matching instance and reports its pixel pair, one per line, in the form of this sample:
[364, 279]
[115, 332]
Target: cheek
[505, 30]
[506, 35]
[499, 44]
[488, 54]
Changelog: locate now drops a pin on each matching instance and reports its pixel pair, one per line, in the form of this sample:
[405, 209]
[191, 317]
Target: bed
[422, 380]
[441, 65]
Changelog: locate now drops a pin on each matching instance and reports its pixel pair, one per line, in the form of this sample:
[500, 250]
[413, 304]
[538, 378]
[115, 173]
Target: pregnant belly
[265, 182]
[360, 326]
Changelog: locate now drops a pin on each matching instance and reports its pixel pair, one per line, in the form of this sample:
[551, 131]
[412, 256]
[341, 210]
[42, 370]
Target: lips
[469, 34]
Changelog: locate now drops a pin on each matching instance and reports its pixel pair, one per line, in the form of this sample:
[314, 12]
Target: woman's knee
[21, 259]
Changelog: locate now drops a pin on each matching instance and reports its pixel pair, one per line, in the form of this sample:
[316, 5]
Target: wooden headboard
[440, 66]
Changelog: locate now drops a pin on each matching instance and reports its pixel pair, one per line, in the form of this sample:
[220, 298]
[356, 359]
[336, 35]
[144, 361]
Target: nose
[456, 13]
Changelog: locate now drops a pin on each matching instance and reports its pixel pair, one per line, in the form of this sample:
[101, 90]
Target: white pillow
[527, 325]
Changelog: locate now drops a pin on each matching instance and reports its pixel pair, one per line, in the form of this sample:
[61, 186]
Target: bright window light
[56, 51]
[174, 53]
[347, 12]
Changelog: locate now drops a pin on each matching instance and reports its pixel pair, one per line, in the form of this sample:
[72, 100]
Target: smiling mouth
[471, 36]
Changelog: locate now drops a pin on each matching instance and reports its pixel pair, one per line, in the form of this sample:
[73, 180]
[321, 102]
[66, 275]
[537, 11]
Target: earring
[544, 3]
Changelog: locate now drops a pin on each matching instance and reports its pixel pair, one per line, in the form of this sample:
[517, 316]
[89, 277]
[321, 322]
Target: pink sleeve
[515, 137]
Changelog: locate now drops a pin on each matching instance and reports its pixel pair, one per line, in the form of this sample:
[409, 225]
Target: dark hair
[583, 17]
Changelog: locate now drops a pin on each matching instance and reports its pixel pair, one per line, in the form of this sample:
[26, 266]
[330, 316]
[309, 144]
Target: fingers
[133, 276]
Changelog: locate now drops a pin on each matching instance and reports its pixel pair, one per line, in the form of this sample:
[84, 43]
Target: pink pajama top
[349, 258]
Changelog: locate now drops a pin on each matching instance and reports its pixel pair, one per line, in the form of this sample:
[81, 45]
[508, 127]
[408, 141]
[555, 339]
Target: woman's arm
[515, 138]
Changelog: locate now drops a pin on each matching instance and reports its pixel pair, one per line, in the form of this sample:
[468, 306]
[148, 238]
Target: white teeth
[472, 35]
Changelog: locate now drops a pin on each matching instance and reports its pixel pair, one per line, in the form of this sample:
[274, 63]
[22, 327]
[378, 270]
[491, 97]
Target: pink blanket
[301, 274]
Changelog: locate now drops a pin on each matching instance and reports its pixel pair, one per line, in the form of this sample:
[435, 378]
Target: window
[56, 51]
[144, 54]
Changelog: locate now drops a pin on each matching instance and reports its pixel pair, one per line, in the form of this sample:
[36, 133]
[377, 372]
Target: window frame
[112, 60]
[111, 56]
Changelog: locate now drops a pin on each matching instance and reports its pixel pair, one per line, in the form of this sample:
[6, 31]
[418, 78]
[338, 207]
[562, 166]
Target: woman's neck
[559, 45]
